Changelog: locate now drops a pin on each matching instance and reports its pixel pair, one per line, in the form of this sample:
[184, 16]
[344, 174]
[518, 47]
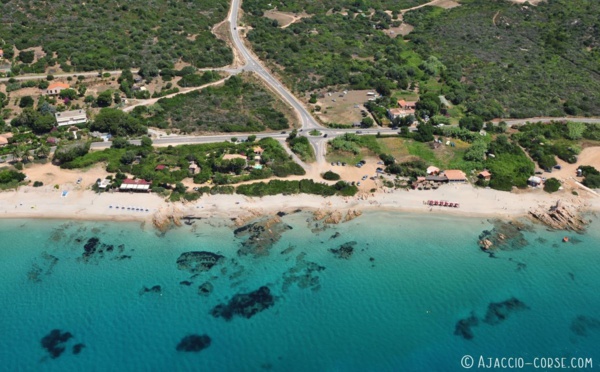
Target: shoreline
[46, 203]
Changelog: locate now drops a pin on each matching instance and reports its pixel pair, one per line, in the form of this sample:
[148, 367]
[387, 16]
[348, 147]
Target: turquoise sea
[391, 303]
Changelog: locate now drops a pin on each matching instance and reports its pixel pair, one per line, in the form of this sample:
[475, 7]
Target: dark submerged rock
[463, 327]
[261, 234]
[77, 348]
[498, 312]
[194, 343]
[582, 324]
[344, 251]
[304, 274]
[505, 236]
[199, 261]
[336, 235]
[185, 282]
[153, 289]
[55, 342]
[245, 304]
[205, 289]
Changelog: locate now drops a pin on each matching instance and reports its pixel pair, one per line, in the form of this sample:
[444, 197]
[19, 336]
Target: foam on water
[393, 305]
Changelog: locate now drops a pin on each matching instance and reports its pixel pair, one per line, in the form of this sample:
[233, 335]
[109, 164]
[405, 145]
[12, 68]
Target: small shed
[485, 175]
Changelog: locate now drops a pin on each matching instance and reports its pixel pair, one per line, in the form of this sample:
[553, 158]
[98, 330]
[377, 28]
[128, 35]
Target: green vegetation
[239, 106]
[336, 49]
[551, 185]
[331, 176]
[592, 176]
[10, 179]
[545, 141]
[114, 35]
[352, 143]
[170, 165]
[517, 61]
[305, 186]
[509, 165]
[300, 146]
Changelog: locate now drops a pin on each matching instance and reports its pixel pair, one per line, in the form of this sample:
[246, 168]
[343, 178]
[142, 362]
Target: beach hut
[455, 175]
[485, 175]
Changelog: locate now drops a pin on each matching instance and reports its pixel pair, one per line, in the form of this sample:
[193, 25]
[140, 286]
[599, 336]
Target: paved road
[43, 76]
[546, 119]
[253, 64]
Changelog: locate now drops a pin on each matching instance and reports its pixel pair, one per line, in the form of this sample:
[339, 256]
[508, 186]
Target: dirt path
[148, 102]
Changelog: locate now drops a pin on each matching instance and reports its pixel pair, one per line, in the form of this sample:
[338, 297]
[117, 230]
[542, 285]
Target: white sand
[47, 202]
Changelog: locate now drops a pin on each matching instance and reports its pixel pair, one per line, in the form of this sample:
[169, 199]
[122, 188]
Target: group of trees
[118, 123]
[240, 105]
[111, 35]
[512, 67]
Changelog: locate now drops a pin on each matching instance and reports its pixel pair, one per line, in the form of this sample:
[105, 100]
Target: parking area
[362, 174]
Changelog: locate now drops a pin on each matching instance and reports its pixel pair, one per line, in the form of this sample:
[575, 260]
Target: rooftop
[70, 114]
[58, 85]
[138, 181]
[455, 174]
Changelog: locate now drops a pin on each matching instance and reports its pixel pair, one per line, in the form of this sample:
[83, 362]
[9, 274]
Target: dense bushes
[70, 152]
[509, 166]
[10, 176]
[306, 186]
[114, 35]
[551, 185]
[300, 146]
[592, 176]
[238, 106]
[331, 176]
[118, 123]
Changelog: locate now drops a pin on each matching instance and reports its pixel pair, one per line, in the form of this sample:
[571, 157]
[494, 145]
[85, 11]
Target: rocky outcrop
[504, 236]
[352, 214]
[262, 235]
[165, 218]
[561, 216]
[205, 289]
[336, 216]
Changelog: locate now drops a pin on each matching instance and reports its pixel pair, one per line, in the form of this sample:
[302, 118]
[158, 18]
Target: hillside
[113, 35]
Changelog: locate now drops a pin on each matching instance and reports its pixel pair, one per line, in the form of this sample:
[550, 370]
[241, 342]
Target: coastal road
[63, 75]
[253, 64]
[547, 119]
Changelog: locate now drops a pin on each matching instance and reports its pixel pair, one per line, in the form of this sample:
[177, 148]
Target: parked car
[557, 167]
[358, 131]
[283, 132]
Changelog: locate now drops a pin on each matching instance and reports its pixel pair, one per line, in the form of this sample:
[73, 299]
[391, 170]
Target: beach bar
[135, 185]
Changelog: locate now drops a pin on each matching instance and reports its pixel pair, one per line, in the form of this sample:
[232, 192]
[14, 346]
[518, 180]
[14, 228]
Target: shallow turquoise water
[395, 312]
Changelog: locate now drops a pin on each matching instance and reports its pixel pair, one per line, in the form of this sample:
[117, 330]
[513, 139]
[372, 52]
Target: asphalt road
[253, 64]
[74, 74]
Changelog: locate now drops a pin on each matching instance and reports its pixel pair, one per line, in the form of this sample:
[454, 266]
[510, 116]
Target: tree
[119, 143]
[104, 99]
[117, 98]
[26, 101]
[180, 188]
[81, 90]
[43, 124]
[472, 123]
[575, 130]
[251, 138]
[424, 133]
[117, 123]
[128, 157]
[70, 94]
[367, 122]
[69, 152]
[551, 185]
[146, 141]
[42, 152]
[26, 56]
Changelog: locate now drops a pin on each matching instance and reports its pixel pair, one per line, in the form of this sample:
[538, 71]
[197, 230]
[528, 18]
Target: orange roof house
[55, 88]
[258, 150]
[409, 105]
[455, 175]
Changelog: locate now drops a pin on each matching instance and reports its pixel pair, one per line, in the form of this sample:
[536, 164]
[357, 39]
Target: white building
[71, 117]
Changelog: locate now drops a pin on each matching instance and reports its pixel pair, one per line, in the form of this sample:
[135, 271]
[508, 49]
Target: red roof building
[135, 185]
[160, 167]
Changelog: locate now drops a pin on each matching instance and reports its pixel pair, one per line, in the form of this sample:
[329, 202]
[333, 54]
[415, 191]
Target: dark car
[358, 131]
[283, 132]
[325, 135]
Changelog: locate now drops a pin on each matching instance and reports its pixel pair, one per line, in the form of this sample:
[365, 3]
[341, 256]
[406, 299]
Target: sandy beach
[48, 202]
